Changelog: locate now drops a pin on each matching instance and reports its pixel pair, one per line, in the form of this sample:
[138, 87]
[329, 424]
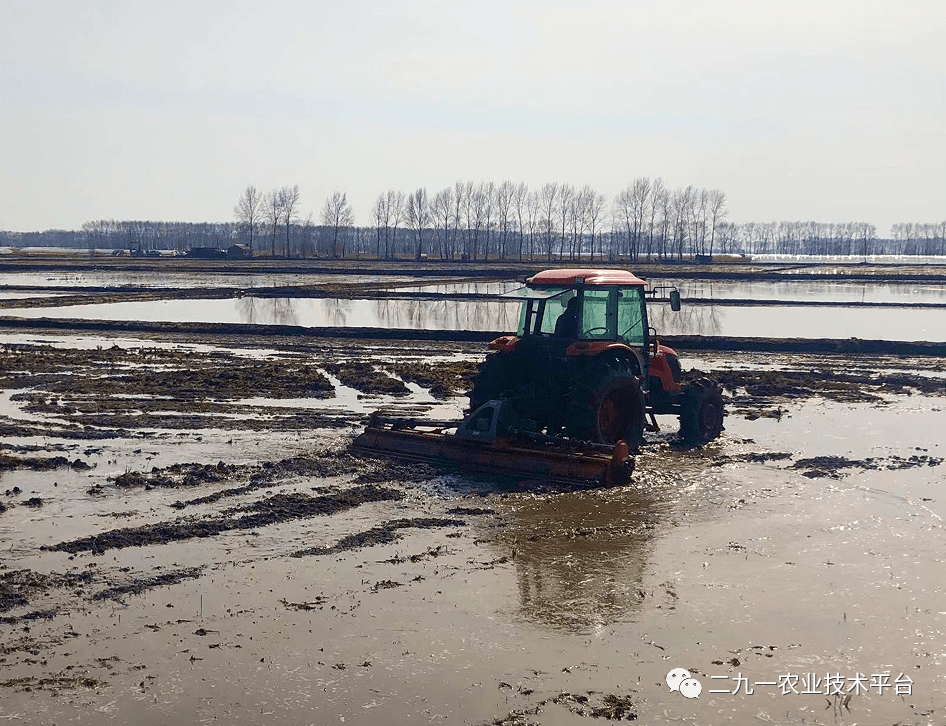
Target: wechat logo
[680, 679]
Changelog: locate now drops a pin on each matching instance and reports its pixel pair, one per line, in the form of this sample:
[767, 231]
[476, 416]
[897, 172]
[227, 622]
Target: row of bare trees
[280, 210]
[277, 210]
[919, 239]
[485, 221]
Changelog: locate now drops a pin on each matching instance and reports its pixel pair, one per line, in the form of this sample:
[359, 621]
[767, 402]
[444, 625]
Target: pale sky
[827, 110]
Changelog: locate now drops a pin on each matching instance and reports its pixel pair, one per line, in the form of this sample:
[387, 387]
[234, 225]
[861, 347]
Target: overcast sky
[828, 110]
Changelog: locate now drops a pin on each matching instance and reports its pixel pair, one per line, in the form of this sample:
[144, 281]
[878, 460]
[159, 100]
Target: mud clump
[470, 511]
[202, 377]
[833, 467]
[752, 457]
[441, 379]
[177, 475]
[380, 535]
[275, 509]
[18, 586]
[365, 378]
[38, 463]
[140, 585]
[607, 706]
[846, 385]
[33, 615]
[54, 684]
[331, 463]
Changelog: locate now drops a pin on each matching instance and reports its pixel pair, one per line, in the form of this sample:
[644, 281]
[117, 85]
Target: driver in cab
[567, 324]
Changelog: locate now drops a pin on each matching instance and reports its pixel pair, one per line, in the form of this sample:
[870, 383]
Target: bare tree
[505, 194]
[717, 213]
[520, 202]
[338, 217]
[417, 217]
[442, 218]
[289, 208]
[395, 204]
[461, 195]
[382, 219]
[595, 203]
[577, 219]
[305, 234]
[273, 208]
[247, 210]
[472, 214]
[565, 194]
[548, 196]
[487, 193]
[656, 205]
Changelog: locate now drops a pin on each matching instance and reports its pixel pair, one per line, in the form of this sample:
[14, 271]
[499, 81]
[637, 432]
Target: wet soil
[442, 380]
[261, 513]
[752, 391]
[367, 379]
[18, 587]
[382, 534]
[40, 463]
[139, 585]
[835, 466]
[261, 574]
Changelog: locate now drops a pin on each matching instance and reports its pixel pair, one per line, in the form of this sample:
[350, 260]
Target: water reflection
[821, 291]
[466, 288]
[690, 320]
[267, 311]
[499, 316]
[580, 558]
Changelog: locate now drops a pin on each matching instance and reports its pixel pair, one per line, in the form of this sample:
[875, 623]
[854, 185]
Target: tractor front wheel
[495, 377]
[701, 414]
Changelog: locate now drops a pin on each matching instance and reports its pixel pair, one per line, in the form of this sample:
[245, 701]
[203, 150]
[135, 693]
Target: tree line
[486, 221]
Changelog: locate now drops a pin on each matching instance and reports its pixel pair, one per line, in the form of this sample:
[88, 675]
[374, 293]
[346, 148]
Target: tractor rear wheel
[607, 405]
[701, 414]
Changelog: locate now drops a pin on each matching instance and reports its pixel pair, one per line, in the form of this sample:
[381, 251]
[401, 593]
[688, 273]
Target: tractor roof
[571, 277]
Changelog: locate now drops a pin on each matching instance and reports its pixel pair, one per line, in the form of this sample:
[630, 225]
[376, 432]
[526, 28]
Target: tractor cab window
[556, 309]
[597, 318]
[632, 321]
[541, 308]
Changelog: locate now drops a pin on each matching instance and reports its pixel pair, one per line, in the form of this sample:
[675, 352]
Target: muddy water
[731, 570]
[712, 560]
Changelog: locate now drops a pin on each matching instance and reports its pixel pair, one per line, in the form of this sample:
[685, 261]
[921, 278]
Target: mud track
[275, 509]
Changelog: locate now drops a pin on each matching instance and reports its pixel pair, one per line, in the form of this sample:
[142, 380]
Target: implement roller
[490, 441]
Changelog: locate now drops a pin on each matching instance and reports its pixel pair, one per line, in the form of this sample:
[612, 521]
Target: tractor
[584, 363]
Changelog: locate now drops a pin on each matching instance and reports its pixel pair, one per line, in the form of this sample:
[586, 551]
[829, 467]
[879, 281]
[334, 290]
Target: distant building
[239, 252]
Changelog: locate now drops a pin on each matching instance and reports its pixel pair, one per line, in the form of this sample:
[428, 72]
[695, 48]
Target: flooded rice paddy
[501, 316]
[186, 538]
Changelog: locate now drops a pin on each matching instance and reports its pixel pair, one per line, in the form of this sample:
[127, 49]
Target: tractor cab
[592, 305]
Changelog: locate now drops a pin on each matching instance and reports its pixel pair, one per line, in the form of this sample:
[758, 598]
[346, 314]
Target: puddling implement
[490, 441]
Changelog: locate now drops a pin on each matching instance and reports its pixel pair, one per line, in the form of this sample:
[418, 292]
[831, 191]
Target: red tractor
[585, 364]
